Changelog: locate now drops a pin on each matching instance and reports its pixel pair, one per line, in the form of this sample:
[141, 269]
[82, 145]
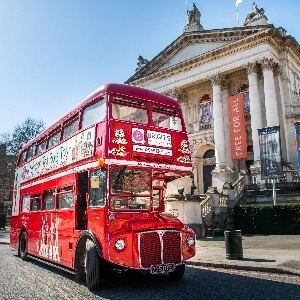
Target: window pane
[23, 157]
[94, 113]
[97, 196]
[26, 203]
[35, 203]
[166, 121]
[41, 147]
[54, 139]
[70, 128]
[130, 181]
[49, 201]
[65, 198]
[130, 203]
[31, 152]
[129, 113]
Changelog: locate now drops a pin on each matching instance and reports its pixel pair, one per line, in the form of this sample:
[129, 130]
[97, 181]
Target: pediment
[190, 51]
[194, 45]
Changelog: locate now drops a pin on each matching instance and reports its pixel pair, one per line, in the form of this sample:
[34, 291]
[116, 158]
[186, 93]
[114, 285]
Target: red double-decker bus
[89, 190]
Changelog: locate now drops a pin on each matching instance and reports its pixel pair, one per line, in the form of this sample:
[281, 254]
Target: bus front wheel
[92, 267]
[23, 246]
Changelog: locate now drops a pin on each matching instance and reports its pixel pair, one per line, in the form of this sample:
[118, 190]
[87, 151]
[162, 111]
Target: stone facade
[202, 68]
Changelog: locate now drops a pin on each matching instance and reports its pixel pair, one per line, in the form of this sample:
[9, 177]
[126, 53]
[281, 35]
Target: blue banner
[270, 153]
[297, 129]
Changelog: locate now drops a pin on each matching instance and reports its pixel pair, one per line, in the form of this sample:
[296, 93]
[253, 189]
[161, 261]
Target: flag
[237, 2]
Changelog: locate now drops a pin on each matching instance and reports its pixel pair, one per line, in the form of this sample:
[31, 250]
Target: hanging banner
[297, 129]
[237, 126]
[270, 153]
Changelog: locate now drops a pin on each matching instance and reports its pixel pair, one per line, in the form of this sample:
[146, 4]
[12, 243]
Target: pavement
[265, 253]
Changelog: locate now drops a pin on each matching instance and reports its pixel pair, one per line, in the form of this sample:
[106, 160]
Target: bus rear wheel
[178, 273]
[23, 246]
[93, 270]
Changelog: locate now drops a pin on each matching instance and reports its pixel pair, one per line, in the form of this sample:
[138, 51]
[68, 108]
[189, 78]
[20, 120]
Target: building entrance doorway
[209, 166]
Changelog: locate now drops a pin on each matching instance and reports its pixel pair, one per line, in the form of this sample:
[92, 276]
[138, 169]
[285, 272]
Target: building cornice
[270, 35]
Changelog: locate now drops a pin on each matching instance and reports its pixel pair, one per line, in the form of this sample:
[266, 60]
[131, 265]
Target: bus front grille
[160, 247]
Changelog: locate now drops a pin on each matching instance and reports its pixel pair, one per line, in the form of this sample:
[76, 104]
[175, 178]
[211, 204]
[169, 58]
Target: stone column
[270, 93]
[218, 123]
[227, 145]
[221, 173]
[255, 108]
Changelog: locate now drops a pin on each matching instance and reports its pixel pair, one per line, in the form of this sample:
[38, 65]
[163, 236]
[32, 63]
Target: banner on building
[237, 126]
[297, 129]
[270, 153]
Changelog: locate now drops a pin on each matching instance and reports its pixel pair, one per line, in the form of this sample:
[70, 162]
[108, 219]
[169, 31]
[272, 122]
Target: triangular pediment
[196, 44]
[190, 51]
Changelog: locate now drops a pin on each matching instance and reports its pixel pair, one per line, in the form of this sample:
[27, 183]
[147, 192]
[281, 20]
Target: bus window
[97, 193]
[54, 139]
[26, 203]
[36, 203]
[94, 113]
[132, 188]
[49, 200]
[31, 152]
[23, 157]
[41, 147]
[70, 128]
[65, 197]
[156, 196]
[166, 120]
[132, 111]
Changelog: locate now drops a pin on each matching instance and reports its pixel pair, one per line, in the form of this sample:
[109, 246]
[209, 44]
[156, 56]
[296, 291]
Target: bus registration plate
[158, 269]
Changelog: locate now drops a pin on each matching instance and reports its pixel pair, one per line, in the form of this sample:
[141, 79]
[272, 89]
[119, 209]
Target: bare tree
[21, 135]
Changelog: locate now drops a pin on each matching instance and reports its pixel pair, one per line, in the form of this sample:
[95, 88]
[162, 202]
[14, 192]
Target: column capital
[216, 79]
[178, 94]
[267, 64]
[225, 83]
[252, 68]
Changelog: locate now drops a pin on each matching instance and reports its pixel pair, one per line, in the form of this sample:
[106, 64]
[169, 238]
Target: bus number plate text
[162, 268]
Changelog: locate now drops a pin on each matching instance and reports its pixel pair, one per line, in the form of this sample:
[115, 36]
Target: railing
[239, 189]
[206, 206]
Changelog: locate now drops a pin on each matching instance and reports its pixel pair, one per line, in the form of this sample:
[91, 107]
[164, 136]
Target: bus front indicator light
[120, 244]
[101, 162]
[190, 241]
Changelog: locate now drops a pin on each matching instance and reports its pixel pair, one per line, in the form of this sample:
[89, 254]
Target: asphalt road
[33, 280]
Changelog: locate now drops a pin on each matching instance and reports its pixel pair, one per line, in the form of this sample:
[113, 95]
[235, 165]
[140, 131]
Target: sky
[54, 53]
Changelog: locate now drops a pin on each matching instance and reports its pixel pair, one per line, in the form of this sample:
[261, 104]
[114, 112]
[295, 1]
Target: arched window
[209, 154]
[205, 109]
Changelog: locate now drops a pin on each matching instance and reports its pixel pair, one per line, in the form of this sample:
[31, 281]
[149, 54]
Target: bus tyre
[178, 273]
[92, 267]
[23, 246]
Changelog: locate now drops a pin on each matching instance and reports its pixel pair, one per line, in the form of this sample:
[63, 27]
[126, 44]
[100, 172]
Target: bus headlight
[190, 241]
[120, 244]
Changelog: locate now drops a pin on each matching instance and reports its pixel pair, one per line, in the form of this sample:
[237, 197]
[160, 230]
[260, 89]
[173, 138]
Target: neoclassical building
[203, 68]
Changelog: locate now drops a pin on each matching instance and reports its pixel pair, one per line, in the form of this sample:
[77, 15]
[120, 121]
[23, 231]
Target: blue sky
[53, 53]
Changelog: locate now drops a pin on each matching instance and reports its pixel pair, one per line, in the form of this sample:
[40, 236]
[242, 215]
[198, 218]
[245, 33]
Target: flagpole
[237, 15]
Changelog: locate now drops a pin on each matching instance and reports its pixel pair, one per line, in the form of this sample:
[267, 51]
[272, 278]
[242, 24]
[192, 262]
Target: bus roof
[108, 88]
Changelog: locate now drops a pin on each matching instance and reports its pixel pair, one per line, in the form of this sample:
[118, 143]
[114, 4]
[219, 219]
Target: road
[34, 280]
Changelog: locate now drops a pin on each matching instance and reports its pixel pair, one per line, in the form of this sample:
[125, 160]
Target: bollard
[233, 244]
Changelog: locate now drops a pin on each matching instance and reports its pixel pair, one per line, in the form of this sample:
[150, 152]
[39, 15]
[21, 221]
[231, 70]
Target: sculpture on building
[194, 14]
[257, 12]
[141, 62]
[193, 17]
